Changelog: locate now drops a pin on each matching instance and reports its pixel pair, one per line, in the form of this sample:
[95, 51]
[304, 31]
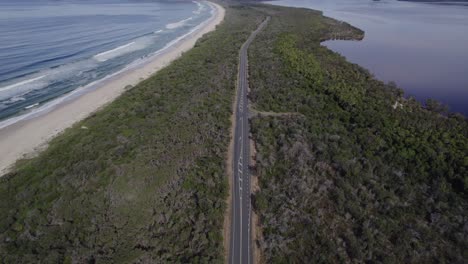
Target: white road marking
[243, 86]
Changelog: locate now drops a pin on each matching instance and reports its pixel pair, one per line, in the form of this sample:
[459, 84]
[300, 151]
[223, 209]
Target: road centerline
[240, 251]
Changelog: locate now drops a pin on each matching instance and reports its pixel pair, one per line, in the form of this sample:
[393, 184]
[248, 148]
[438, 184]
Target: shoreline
[26, 138]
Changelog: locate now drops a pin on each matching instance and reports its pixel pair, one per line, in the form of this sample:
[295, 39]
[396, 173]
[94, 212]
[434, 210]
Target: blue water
[50, 48]
[422, 47]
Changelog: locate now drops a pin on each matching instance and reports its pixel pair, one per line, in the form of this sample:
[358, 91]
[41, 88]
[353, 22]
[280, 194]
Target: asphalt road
[240, 247]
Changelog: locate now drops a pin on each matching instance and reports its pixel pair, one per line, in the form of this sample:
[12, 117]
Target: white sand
[27, 137]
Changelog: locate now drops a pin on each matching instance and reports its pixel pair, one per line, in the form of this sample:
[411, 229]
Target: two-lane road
[240, 248]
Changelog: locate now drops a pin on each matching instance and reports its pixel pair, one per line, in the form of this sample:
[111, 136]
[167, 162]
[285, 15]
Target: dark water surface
[422, 47]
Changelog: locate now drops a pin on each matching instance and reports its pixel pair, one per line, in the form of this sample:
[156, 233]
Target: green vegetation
[361, 174]
[145, 182]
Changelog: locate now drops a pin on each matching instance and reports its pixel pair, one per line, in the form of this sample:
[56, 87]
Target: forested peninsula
[350, 170]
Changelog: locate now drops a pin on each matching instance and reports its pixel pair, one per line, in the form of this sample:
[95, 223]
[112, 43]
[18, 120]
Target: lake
[422, 47]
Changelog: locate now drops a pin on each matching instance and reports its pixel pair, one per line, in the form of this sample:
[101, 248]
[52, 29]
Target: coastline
[27, 138]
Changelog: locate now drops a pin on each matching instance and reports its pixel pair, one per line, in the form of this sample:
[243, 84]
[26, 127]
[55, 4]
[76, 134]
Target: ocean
[51, 50]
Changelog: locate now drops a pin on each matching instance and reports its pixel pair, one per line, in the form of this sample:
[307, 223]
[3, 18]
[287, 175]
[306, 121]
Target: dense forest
[355, 172]
[143, 180]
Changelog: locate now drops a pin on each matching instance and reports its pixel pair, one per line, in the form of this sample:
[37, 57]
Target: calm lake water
[50, 48]
[422, 47]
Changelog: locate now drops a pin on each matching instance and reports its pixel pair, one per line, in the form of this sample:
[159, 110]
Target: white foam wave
[137, 44]
[38, 109]
[200, 8]
[115, 52]
[43, 79]
[16, 99]
[9, 87]
[195, 29]
[47, 107]
[31, 106]
[158, 31]
[22, 87]
[178, 24]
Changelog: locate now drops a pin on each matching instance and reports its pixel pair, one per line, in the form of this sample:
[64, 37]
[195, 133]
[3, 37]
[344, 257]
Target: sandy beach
[28, 137]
